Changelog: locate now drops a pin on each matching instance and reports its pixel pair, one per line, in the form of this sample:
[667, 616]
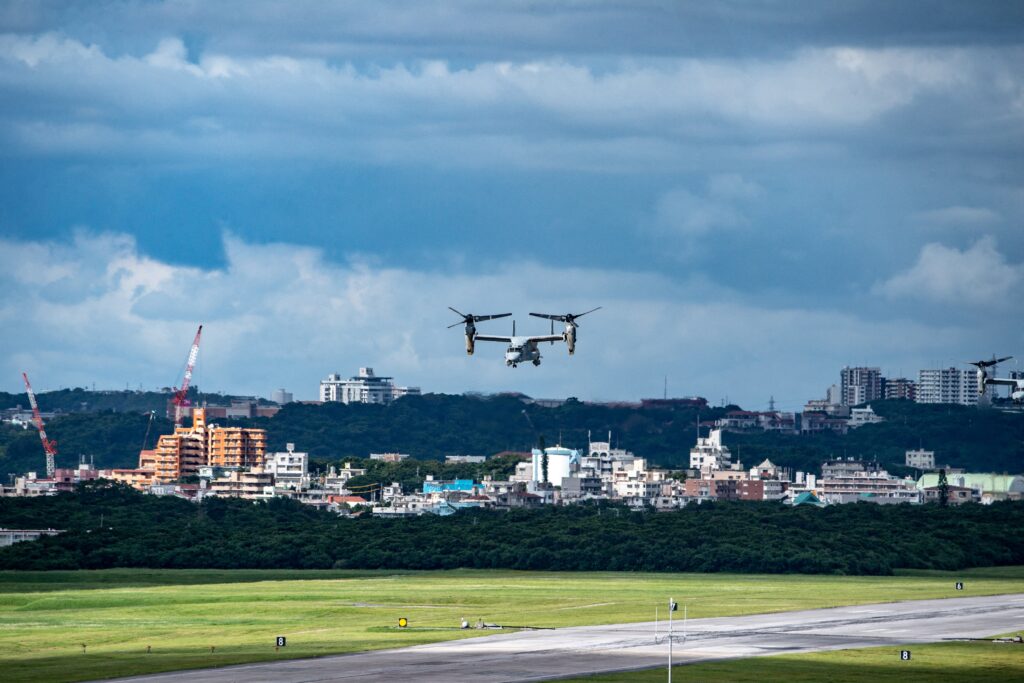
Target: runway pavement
[565, 652]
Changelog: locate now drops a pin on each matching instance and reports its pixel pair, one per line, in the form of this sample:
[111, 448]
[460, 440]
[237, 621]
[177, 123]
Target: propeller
[469, 318]
[989, 363]
[566, 318]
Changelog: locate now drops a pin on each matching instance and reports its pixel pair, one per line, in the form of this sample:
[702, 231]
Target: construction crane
[49, 445]
[181, 395]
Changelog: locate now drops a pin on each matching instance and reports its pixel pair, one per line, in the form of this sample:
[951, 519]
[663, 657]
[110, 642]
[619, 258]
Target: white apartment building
[875, 487]
[289, 468]
[863, 416]
[366, 387]
[709, 454]
[949, 385]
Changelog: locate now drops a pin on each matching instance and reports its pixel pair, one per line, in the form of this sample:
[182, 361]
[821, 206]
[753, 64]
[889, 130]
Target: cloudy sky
[758, 193]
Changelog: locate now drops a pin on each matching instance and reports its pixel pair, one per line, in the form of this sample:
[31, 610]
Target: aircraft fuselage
[522, 350]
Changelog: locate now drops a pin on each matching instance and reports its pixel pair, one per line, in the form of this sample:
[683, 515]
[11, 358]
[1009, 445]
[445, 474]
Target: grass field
[45, 617]
[961, 662]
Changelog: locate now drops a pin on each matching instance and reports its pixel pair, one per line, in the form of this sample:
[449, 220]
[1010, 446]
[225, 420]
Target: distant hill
[434, 425]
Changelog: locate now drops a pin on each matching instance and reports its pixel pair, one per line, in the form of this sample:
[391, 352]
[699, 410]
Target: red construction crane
[181, 395]
[49, 445]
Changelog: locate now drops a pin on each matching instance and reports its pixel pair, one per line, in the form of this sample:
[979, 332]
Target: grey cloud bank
[758, 193]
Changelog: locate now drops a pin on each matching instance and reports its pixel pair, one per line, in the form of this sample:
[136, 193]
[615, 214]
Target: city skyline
[756, 198]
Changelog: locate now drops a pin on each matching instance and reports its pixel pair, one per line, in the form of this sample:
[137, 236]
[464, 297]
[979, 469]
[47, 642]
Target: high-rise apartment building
[947, 385]
[182, 453]
[366, 387]
[860, 385]
[235, 447]
[900, 388]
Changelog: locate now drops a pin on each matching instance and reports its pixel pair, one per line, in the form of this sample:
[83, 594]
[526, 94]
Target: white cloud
[282, 315]
[977, 276]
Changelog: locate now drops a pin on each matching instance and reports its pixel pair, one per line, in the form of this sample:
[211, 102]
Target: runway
[566, 652]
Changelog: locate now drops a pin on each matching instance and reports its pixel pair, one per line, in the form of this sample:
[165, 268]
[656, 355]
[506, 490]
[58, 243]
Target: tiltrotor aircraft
[1017, 390]
[521, 349]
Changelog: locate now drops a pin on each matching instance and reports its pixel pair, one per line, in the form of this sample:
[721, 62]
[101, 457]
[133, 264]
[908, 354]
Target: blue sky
[757, 193]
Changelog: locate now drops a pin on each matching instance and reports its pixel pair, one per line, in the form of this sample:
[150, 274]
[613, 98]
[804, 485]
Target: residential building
[955, 495]
[817, 423]
[900, 388]
[236, 446]
[860, 385]
[712, 489]
[281, 397]
[988, 487]
[366, 387]
[250, 484]
[710, 454]
[451, 459]
[389, 457]
[949, 385]
[863, 416]
[288, 468]
[745, 420]
[868, 486]
[182, 453]
[846, 467]
[920, 459]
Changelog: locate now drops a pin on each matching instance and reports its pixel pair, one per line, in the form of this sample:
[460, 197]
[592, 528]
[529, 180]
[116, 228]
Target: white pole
[655, 624]
[670, 640]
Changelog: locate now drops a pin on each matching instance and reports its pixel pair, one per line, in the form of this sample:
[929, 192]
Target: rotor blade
[580, 315]
[1002, 359]
[549, 316]
[461, 322]
[491, 317]
[461, 315]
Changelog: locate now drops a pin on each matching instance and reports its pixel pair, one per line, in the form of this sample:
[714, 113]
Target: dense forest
[431, 426]
[118, 527]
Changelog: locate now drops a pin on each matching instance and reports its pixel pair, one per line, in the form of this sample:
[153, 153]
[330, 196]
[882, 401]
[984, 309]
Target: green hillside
[431, 426]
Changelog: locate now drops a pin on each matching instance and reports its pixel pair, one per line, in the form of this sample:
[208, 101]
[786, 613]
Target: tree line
[118, 527]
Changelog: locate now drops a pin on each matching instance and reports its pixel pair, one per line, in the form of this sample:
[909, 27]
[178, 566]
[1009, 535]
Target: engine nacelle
[570, 338]
[470, 344]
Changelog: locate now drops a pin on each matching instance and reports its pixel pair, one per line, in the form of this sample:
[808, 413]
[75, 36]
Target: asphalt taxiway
[565, 652]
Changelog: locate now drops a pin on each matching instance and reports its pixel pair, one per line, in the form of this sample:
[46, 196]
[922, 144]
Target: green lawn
[46, 616]
[974, 661]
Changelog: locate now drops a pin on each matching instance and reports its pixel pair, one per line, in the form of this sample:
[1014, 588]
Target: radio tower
[49, 445]
[181, 395]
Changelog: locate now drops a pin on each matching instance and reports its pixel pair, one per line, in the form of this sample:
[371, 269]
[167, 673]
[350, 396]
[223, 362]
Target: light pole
[672, 607]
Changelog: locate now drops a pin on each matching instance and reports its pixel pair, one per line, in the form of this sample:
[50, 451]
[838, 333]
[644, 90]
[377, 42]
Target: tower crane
[180, 399]
[49, 445]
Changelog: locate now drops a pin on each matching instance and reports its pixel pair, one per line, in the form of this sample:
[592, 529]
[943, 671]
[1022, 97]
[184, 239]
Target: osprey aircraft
[521, 349]
[1017, 390]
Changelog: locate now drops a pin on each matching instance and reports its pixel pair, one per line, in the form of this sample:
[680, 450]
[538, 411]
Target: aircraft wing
[1003, 382]
[546, 337]
[489, 337]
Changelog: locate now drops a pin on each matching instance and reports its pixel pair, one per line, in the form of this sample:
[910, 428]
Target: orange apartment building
[236, 447]
[182, 453]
